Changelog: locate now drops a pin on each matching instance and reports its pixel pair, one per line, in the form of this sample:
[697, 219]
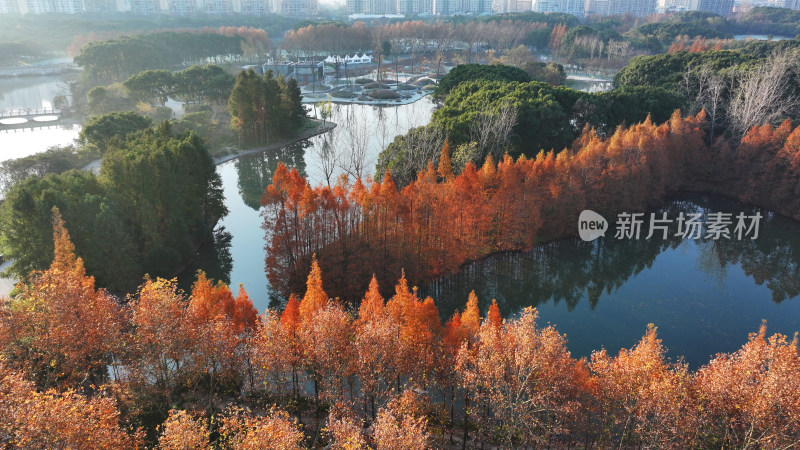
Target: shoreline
[309, 133]
[308, 100]
[6, 284]
[321, 128]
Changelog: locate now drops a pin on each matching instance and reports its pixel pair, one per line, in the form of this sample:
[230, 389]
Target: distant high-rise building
[676, 5]
[790, 4]
[100, 6]
[43, 6]
[720, 7]
[372, 6]
[68, 6]
[574, 7]
[182, 7]
[355, 6]
[545, 6]
[218, 6]
[9, 7]
[38, 7]
[414, 7]
[477, 6]
[513, 6]
[145, 7]
[443, 7]
[638, 8]
[299, 8]
[598, 8]
[254, 7]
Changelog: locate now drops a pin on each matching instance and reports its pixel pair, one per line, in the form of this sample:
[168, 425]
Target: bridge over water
[31, 117]
[28, 113]
[38, 69]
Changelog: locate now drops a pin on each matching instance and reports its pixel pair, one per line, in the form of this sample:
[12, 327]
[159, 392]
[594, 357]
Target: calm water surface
[761, 37]
[33, 92]
[244, 180]
[704, 296]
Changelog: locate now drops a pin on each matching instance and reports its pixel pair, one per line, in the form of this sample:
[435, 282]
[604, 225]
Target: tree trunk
[466, 421]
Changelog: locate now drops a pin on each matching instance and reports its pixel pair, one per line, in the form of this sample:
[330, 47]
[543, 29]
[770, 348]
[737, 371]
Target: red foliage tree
[60, 328]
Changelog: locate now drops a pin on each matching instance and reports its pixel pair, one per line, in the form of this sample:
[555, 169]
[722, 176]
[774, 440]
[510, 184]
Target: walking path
[322, 127]
[6, 284]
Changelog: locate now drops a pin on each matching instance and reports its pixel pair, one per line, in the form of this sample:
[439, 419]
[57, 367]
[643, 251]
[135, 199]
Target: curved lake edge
[7, 284]
[669, 199]
[705, 296]
[321, 128]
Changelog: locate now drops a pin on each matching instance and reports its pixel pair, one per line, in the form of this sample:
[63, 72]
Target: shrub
[375, 85]
[383, 94]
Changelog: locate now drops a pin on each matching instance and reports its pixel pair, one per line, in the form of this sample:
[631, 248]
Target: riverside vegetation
[203, 370]
[168, 368]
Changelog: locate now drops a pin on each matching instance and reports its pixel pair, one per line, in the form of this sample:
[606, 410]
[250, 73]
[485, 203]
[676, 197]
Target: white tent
[331, 59]
[347, 59]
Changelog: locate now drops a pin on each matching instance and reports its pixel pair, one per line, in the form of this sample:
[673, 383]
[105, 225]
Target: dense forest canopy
[157, 199]
[57, 32]
[389, 375]
[119, 58]
[356, 357]
[491, 110]
[502, 113]
[770, 20]
[265, 108]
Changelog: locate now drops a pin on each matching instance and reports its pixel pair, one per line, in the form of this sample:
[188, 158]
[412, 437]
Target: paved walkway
[309, 133]
[6, 284]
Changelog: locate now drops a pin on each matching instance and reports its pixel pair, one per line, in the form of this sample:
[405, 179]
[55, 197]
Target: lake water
[704, 296]
[761, 37]
[245, 178]
[33, 92]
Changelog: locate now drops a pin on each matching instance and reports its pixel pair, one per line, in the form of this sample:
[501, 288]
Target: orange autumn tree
[494, 318]
[400, 424]
[31, 419]
[418, 330]
[277, 348]
[224, 324]
[242, 429]
[323, 336]
[60, 329]
[344, 431]
[524, 382]
[214, 302]
[166, 339]
[439, 221]
[327, 343]
[182, 431]
[276, 361]
[460, 334]
[197, 342]
[751, 398]
[642, 399]
[315, 297]
[376, 348]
